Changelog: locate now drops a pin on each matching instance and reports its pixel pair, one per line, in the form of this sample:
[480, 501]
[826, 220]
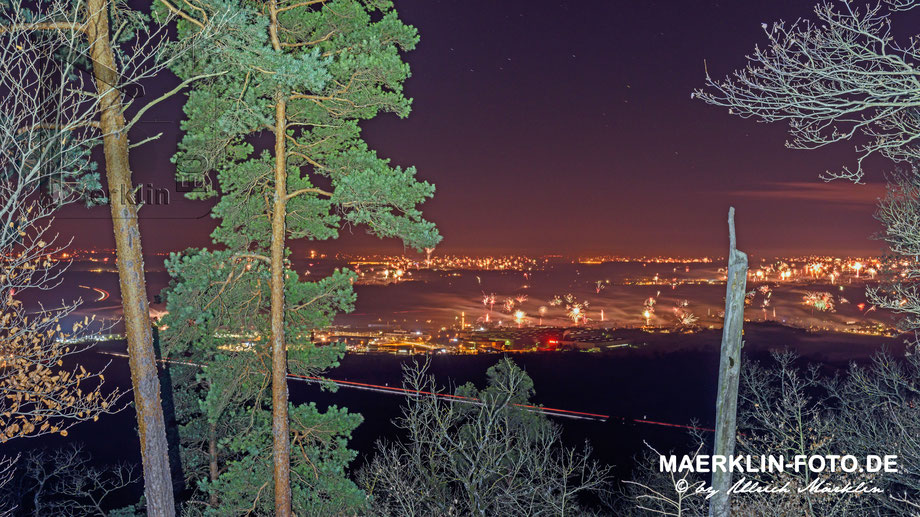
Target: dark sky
[567, 127]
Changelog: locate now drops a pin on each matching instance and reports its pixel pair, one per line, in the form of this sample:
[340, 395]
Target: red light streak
[393, 390]
[390, 389]
[665, 424]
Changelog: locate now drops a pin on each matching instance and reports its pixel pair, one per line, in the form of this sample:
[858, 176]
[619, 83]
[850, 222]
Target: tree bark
[212, 463]
[281, 435]
[729, 370]
[158, 488]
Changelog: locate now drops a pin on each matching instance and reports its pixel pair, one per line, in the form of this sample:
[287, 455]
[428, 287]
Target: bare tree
[46, 132]
[122, 48]
[838, 78]
[45, 136]
[878, 411]
[63, 482]
[7, 470]
[899, 211]
[489, 458]
[793, 410]
[786, 410]
[845, 77]
[789, 410]
[669, 494]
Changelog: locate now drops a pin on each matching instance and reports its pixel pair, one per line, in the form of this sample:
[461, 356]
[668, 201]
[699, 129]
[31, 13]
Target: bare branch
[840, 78]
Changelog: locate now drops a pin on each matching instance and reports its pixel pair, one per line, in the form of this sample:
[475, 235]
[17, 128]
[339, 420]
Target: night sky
[567, 127]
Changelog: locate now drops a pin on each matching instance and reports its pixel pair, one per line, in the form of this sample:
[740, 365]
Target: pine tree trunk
[729, 371]
[212, 463]
[151, 426]
[281, 435]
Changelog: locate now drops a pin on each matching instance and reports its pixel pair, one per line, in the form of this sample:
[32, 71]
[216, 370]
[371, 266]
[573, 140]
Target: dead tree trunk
[729, 370]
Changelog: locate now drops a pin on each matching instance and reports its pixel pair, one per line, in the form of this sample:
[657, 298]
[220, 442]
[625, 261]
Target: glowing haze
[567, 127]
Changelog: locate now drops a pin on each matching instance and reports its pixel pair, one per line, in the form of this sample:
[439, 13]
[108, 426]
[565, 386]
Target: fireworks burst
[488, 300]
[815, 268]
[765, 291]
[685, 318]
[578, 312]
[519, 317]
[823, 302]
[575, 309]
[558, 301]
[648, 308]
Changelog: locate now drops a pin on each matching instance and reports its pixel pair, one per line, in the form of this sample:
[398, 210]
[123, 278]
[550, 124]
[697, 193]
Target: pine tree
[304, 73]
[218, 323]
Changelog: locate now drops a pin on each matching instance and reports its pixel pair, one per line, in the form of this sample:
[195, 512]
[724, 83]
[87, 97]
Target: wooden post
[729, 370]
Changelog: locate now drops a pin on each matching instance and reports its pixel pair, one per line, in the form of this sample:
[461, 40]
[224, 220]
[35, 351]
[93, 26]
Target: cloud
[837, 192]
